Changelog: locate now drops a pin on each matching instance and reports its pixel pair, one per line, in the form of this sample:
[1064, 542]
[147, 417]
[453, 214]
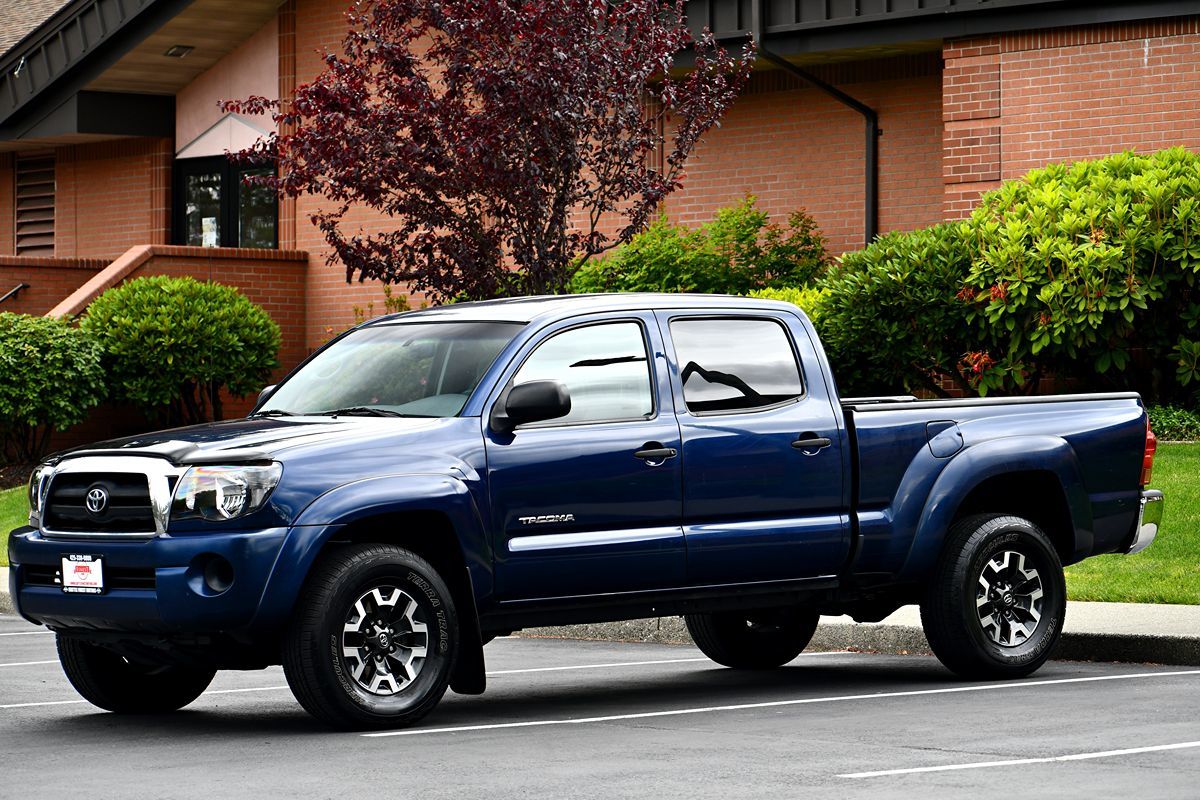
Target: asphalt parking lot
[567, 719]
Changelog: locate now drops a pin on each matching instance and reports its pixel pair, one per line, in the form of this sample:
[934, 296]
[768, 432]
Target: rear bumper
[1149, 518]
[164, 590]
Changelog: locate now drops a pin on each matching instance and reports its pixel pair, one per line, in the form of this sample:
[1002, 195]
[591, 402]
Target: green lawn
[1169, 570]
[14, 511]
[1166, 572]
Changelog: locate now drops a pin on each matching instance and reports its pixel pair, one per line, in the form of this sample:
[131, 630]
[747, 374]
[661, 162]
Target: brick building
[873, 114]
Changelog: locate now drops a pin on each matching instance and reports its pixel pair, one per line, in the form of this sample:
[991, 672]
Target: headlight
[37, 488]
[221, 493]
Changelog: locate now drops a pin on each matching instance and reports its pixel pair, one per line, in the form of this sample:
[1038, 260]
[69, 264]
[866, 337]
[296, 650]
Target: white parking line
[1021, 761]
[633, 664]
[780, 704]
[29, 633]
[29, 663]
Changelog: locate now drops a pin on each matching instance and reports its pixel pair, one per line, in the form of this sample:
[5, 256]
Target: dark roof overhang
[41, 78]
[826, 30]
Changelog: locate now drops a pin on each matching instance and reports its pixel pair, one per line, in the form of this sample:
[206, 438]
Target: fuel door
[944, 437]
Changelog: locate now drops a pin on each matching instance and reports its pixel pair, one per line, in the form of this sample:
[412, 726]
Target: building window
[34, 206]
[215, 208]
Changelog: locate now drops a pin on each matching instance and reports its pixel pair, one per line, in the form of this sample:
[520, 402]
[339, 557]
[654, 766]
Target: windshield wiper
[359, 411]
[274, 412]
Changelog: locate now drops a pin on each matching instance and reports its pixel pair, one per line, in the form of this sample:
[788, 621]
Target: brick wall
[1015, 102]
[110, 196]
[320, 25]
[49, 279]
[795, 147]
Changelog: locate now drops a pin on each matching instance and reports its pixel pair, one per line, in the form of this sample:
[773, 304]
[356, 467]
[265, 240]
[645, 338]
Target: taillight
[1148, 455]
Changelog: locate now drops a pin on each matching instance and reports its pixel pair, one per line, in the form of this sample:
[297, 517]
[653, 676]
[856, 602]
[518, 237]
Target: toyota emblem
[97, 500]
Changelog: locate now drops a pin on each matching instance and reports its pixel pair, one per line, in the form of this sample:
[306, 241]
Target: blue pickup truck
[431, 480]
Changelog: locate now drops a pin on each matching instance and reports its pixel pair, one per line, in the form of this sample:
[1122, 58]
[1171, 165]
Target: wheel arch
[1037, 477]
[434, 516]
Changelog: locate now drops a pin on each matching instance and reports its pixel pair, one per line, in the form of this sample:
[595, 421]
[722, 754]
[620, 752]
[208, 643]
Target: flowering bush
[1082, 271]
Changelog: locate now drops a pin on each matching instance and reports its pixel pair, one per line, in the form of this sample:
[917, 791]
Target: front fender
[395, 494]
[976, 464]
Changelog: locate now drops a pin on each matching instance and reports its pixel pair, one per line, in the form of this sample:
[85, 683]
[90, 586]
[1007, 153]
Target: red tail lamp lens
[1148, 458]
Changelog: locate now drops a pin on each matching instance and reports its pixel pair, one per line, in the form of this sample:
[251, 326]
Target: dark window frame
[709, 317]
[231, 186]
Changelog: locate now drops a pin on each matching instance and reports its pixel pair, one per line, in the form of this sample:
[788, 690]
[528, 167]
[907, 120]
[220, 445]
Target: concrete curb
[6, 606]
[836, 635]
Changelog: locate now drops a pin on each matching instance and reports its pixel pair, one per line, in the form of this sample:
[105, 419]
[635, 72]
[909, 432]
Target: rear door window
[735, 364]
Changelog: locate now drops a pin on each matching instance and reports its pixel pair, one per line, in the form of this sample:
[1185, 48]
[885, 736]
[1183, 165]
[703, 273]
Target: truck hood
[254, 439]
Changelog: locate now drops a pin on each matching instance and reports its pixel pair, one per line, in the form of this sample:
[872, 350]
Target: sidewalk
[1133, 632]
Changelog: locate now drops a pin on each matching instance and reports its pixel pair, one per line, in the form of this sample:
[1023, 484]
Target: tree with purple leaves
[506, 142]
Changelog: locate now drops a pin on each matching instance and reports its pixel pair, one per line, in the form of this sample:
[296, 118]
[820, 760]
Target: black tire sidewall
[726, 638]
[1011, 533]
[436, 609]
[108, 681]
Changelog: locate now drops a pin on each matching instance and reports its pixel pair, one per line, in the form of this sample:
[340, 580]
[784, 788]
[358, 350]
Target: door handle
[655, 453]
[810, 444]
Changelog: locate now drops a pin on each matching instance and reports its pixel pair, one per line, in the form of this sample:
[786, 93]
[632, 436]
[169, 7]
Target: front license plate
[83, 574]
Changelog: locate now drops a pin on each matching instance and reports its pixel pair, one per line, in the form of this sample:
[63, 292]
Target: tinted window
[604, 367]
[734, 364]
[418, 369]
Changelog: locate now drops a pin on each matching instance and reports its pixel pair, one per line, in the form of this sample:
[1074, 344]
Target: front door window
[214, 207]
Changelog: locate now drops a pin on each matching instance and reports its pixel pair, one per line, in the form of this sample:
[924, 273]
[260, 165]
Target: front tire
[108, 680]
[753, 639]
[373, 640]
[997, 601]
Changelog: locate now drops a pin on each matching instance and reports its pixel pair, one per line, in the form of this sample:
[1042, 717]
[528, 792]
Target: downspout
[871, 182]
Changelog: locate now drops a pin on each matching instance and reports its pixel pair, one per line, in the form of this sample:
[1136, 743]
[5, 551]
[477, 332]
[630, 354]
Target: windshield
[409, 370]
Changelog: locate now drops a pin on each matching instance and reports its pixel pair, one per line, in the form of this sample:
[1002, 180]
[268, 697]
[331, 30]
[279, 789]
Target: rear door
[590, 503]
[763, 482]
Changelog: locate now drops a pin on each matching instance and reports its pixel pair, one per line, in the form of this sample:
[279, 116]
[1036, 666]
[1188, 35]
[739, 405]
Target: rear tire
[996, 604]
[753, 639]
[373, 640]
[114, 683]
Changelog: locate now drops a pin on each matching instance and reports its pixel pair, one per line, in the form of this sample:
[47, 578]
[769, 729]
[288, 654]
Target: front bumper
[167, 593]
[1149, 518]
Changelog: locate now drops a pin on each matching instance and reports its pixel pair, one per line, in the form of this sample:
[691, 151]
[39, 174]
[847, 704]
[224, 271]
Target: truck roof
[528, 309]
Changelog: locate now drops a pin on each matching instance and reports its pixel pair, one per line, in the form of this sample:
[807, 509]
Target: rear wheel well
[431, 535]
[1037, 496]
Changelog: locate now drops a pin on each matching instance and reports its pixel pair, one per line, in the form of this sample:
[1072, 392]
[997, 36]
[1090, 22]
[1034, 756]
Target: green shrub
[808, 298]
[171, 344]
[1174, 424]
[739, 251]
[890, 318]
[1086, 271]
[1083, 267]
[50, 376]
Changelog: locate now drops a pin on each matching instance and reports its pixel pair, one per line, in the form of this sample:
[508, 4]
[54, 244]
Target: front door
[591, 502]
[762, 451]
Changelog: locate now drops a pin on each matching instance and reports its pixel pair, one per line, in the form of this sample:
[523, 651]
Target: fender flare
[330, 513]
[974, 465]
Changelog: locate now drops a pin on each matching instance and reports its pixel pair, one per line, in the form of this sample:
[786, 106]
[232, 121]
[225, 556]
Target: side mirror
[534, 401]
[264, 394]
